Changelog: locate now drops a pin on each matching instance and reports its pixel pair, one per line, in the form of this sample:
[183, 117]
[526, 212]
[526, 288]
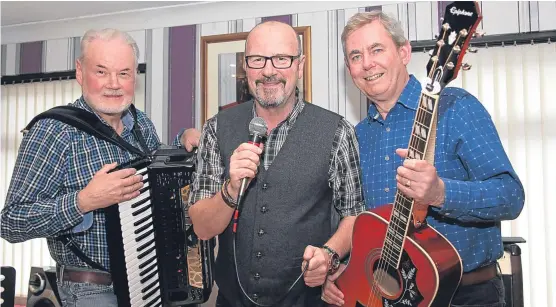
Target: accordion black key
[155, 257]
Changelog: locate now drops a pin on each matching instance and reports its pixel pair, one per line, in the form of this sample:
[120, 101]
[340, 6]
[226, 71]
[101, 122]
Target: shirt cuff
[177, 139]
[353, 210]
[69, 213]
[456, 196]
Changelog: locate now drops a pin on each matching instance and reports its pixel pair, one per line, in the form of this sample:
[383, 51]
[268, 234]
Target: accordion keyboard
[155, 257]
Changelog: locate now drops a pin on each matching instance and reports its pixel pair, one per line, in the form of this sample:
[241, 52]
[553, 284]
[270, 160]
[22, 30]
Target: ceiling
[20, 12]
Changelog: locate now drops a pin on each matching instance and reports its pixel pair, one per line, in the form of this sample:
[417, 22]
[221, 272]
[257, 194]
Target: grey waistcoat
[286, 208]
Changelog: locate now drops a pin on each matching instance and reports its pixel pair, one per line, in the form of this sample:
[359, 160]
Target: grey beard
[269, 103]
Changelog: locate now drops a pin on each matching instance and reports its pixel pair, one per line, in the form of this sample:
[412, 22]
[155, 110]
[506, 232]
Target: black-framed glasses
[278, 61]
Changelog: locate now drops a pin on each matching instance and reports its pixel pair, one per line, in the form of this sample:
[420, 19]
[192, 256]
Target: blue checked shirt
[482, 188]
[54, 163]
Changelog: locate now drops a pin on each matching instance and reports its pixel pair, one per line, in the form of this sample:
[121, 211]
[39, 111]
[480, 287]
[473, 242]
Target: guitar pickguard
[410, 295]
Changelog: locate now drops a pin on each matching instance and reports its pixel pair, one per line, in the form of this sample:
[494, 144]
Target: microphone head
[258, 126]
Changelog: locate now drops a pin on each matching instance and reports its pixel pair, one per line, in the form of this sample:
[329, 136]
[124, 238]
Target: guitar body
[429, 272]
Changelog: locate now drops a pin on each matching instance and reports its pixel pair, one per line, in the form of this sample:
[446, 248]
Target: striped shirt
[344, 169]
[54, 163]
[482, 188]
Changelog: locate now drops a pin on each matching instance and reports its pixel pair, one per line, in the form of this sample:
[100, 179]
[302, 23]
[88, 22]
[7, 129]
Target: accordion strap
[89, 122]
[68, 242]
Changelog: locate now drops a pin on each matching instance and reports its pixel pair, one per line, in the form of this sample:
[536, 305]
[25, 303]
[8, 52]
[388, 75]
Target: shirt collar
[127, 118]
[409, 97]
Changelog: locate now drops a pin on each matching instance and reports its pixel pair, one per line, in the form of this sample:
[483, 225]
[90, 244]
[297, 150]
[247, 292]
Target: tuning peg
[441, 19]
[465, 66]
[450, 65]
[472, 49]
[431, 52]
[479, 34]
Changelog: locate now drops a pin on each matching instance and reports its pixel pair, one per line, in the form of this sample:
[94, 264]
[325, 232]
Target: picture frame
[223, 82]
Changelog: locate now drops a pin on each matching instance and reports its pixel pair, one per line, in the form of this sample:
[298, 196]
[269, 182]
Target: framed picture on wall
[223, 79]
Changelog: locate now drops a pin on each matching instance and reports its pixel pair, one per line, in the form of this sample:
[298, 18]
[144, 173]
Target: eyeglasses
[278, 61]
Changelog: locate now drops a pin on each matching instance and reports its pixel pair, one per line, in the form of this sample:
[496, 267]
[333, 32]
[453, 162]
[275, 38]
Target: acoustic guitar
[396, 258]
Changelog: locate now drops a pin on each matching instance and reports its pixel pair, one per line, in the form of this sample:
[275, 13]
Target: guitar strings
[387, 251]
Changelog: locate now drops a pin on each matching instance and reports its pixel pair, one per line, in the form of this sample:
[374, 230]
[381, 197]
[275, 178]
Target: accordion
[155, 257]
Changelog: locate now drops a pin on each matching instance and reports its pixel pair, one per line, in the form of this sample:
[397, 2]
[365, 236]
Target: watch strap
[334, 262]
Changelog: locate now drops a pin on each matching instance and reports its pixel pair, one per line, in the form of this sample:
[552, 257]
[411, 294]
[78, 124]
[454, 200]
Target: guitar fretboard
[403, 206]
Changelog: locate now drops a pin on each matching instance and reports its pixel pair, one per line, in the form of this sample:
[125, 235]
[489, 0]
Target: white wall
[326, 20]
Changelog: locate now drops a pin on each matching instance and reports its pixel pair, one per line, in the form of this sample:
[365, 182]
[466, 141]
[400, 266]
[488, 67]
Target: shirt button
[264, 209]
[386, 190]
[255, 296]
[387, 158]
[261, 232]
[387, 129]
[257, 276]
[259, 255]
[265, 186]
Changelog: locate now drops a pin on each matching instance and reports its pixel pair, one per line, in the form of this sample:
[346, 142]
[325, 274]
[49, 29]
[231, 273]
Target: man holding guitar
[464, 194]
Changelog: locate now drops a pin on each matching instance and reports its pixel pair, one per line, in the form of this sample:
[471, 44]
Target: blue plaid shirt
[54, 163]
[482, 188]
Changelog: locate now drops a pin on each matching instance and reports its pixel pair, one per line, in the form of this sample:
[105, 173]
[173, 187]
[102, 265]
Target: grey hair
[108, 34]
[391, 24]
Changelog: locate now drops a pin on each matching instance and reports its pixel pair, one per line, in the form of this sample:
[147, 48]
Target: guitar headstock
[461, 19]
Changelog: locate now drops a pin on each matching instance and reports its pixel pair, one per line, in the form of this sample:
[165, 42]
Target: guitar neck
[403, 206]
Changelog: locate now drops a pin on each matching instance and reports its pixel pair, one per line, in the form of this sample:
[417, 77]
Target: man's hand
[106, 189]
[318, 260]
[244, 163]
[418, 179]
[330, 293]
[190, 139]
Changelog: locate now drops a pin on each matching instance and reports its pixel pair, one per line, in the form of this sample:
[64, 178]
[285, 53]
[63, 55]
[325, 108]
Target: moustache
[113, 93]
[270, 79]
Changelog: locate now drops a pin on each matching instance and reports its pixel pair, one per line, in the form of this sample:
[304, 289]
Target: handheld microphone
[257, 134]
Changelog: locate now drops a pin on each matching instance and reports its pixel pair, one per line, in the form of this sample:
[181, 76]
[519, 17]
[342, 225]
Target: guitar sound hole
[387, 278]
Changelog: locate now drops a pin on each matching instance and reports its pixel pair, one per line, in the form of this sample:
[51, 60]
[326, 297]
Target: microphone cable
[235, 218]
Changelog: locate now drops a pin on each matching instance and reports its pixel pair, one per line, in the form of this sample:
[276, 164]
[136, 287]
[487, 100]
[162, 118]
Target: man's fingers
[308, 253]
[124, 173]
[245, 164]
[315, 264]
[402, 152]
[243, 172]
[133, 179]
[331, 294]
[106, 168]
[249, 147]
[129, 196]
[133, 188]
[333, 291]
[247, 155]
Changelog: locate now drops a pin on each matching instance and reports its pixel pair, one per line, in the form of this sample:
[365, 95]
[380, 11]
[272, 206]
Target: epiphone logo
[456, 11]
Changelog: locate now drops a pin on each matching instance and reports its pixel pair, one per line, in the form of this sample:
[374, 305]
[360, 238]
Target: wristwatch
[334, 262]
